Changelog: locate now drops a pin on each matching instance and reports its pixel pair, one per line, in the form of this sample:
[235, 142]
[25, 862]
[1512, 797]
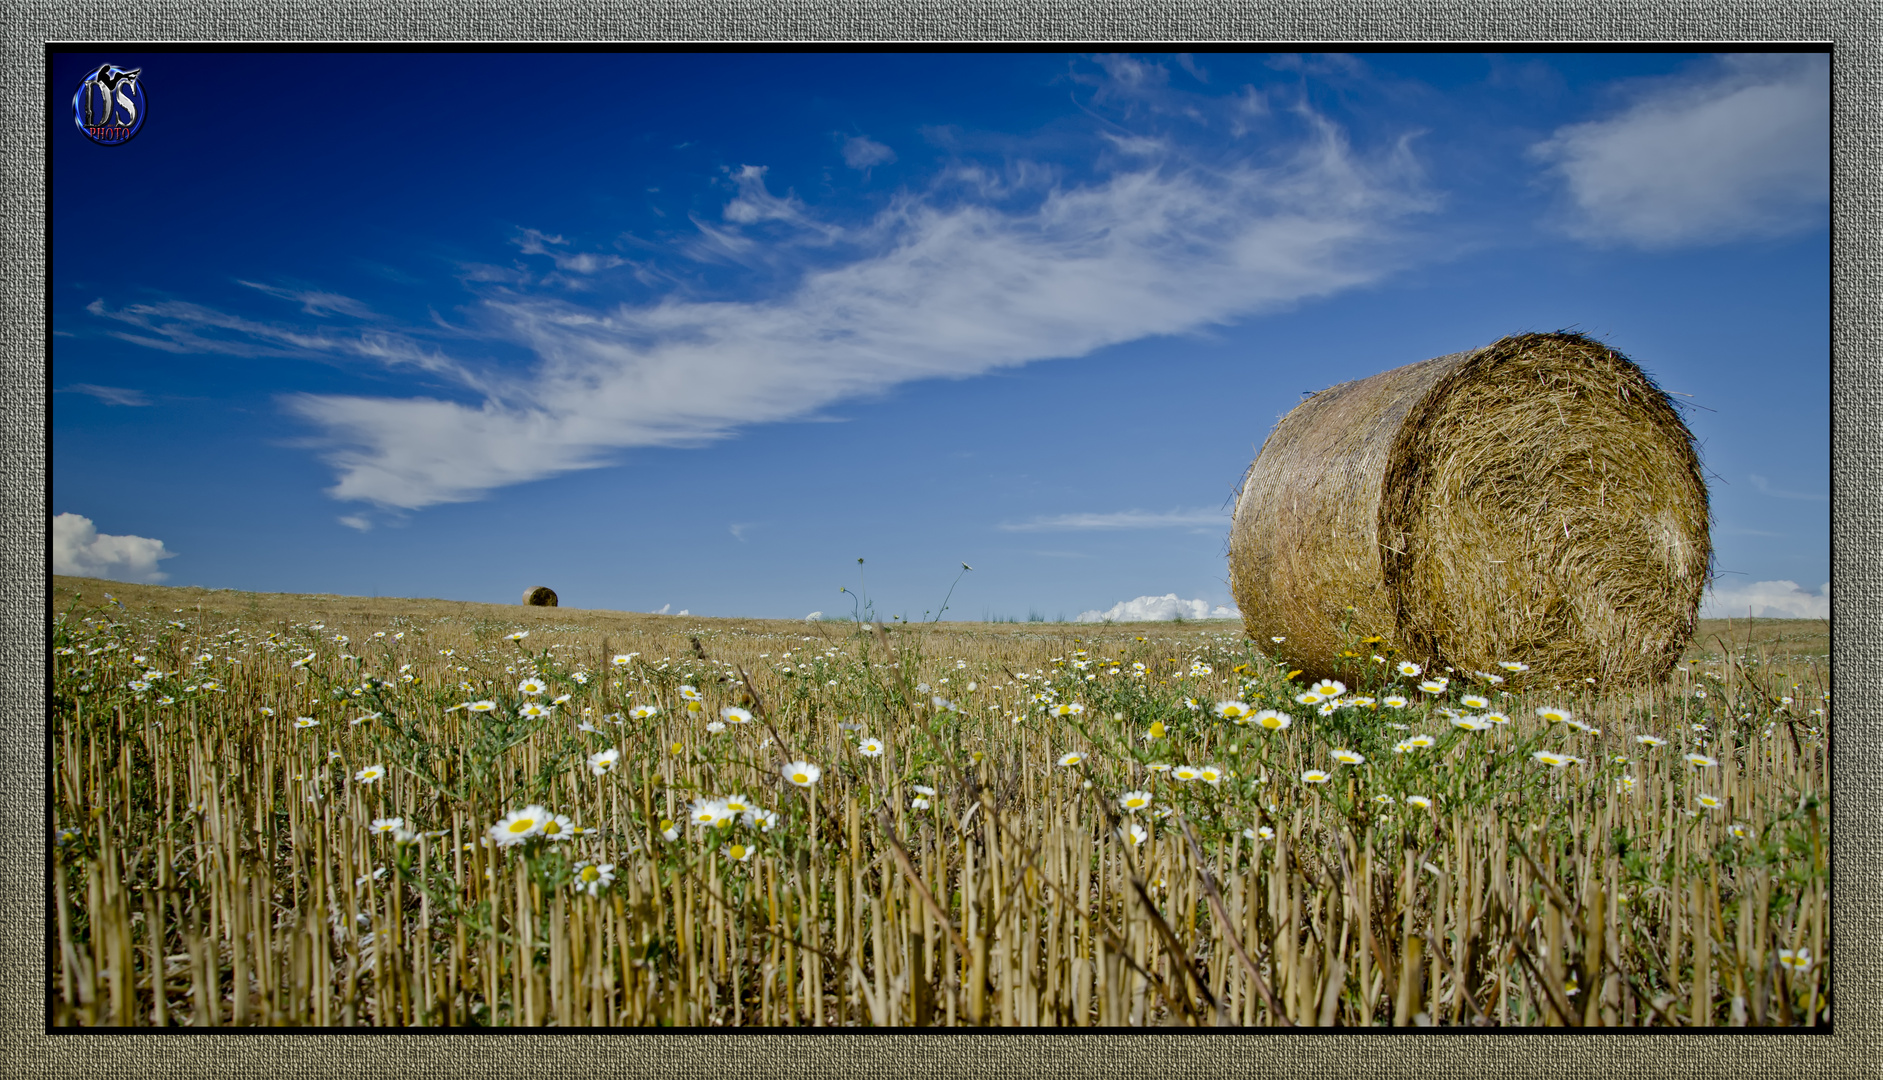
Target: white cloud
[80, 550]
[1127, 75]
[977, 273]
[1741, 149]
[315, 302]
[177, 326]
[1159, 609]
[1766, 600]
[1764, 487]
[946, 291]
[357, 521]
[535, 242]
[1138, 145]
[862, 152]
[755, 204]
[1122, 519]
[111, 395]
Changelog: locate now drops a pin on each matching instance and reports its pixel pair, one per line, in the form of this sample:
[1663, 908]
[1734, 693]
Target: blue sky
[697, 331]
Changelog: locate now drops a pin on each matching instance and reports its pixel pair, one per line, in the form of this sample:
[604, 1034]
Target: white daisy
[518, 825]
[592, 878]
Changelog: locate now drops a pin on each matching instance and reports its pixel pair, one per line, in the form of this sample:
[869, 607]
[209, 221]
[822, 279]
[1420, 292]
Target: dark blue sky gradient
[389, 178]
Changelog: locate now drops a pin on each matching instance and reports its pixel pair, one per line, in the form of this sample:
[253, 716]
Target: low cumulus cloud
[80, 550]
[1766, 600]
[1739, 149]
[1159, 609]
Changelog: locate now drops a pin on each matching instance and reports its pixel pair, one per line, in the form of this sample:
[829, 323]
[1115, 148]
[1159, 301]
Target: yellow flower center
[801, 778]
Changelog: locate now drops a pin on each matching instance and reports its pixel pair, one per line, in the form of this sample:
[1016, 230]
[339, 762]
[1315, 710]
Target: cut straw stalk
[214, 845]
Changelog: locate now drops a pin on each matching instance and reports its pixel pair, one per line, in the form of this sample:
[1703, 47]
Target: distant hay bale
[540, 596]
[1536, 500]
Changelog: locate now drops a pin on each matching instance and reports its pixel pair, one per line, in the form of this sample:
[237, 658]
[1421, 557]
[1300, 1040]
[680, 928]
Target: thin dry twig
[1222, 919]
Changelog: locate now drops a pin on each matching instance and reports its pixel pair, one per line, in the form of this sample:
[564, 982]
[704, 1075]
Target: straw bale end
[539, 596]
[1536, 500]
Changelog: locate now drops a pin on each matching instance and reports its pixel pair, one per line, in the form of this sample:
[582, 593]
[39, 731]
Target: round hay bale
[540, 596]
[1536, 500]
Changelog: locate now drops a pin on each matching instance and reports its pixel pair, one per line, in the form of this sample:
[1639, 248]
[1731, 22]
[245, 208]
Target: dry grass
[217, 865]
[1538, 497]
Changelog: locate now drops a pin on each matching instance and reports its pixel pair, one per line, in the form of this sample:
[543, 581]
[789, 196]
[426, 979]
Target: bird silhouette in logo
[110, 77]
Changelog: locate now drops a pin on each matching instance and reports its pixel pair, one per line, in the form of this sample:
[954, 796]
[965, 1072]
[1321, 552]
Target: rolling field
[320, 810]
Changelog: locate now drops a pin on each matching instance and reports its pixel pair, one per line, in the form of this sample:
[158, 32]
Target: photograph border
[1852, 1049]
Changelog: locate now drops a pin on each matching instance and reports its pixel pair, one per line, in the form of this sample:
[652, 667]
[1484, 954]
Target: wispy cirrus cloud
[1120, 519]
[314, 301]
[1740, 148]
[110, 395]
[535, 242]
[861, 152]
[939, 288]
[980, 270]
[182, 327]
[1764, 487]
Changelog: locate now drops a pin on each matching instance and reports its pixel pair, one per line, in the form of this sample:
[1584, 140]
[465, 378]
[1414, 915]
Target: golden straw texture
[1536, 500]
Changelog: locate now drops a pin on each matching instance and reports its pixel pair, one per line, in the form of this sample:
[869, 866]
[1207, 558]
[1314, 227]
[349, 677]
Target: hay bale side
[1538, 499]
[540, 596]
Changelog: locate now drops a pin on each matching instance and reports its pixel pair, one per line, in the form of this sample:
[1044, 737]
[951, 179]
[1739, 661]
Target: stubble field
[316, 810]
